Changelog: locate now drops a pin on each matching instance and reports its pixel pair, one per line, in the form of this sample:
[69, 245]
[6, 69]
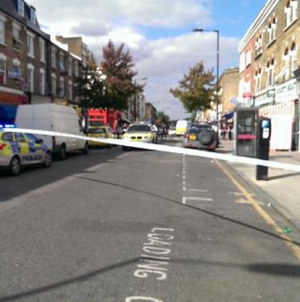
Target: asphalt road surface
[136, 226]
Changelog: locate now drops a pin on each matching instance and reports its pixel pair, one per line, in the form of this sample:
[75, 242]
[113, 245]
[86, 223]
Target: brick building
[269, 58]
[34, 68]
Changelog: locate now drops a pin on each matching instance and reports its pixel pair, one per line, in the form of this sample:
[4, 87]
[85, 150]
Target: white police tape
[170, 149]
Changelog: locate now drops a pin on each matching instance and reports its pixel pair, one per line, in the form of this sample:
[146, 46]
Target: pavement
[282, 189]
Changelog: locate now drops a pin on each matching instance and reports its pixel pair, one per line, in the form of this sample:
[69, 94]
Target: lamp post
[134, 98]
[218, 63]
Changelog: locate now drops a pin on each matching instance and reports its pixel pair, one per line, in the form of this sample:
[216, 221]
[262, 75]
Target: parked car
[200, 136]
[57, 118]
[139, 132]
[100, 132]
[22, 149]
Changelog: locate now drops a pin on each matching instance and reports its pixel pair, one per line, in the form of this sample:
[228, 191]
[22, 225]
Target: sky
[158, 34]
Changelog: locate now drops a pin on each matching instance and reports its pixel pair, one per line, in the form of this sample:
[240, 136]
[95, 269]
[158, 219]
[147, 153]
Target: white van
[182, 126]
[53, 117]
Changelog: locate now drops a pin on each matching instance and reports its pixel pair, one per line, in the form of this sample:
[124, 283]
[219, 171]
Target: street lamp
[218, 63]
[134, 98]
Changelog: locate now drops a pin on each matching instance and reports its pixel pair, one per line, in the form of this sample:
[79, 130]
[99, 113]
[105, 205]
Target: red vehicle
[104, 117]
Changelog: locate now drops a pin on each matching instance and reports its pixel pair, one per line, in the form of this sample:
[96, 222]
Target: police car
[21, 149]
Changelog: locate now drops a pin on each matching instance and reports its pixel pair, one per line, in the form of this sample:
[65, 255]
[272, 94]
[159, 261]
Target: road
[117, 226]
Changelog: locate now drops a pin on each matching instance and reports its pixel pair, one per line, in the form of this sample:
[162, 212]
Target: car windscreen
[97, 131]
[139, 128]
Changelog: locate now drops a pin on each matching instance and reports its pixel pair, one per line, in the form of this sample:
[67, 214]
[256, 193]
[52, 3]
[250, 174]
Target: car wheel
[48, 159]
[205, 137]
[15, 166]
[85, 150]
[63, 152]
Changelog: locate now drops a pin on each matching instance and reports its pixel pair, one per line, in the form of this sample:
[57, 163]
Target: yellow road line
[289, 242]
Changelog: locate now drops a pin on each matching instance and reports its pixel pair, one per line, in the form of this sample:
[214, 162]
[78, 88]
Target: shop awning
[228, 116]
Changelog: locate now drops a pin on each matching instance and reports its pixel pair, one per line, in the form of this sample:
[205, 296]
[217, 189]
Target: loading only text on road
[154, 260]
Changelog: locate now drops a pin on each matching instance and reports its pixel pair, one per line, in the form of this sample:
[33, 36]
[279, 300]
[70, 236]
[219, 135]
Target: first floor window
[30, 78]
[2, 31]
[53, 84]
[2, 71]
[70, 90]
[62, 87]
[42, 81]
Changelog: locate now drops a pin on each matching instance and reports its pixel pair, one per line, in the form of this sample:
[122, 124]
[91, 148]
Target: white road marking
[185, 199]
[197, 190]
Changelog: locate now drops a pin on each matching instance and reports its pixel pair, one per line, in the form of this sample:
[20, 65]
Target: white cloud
[162, 60]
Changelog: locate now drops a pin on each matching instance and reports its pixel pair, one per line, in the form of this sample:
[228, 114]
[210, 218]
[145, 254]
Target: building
[269, 59]
[150, 113]
[34, 68]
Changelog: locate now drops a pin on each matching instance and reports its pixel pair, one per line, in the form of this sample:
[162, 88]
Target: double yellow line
[289, 242]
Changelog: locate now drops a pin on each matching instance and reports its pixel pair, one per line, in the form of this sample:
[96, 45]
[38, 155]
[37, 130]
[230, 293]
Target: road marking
[289, 242]
[197, 190]
[184, 199]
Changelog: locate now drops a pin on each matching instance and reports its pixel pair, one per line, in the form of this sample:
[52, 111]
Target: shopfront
[281, 105]
[9, 100]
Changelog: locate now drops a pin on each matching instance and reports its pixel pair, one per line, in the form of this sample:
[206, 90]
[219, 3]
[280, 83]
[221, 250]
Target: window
[30, 77]
[2, 30]
[42, 81]
[32, 15]
[21, 8]
[290, 11]
[70, 90]
[16, 36]
[53, 57]
[20, 137]
[76, 68]
[2, 68]
[270, 72]
[53, 84]
[286, 60]
[257, 79]
[30, 44]
[272, 29]
[61, 62]
[70, 66]
[258, 45]
[42, 50]
[61, 86]
[293, 55]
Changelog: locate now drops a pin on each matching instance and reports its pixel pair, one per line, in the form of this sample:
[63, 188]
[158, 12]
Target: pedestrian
[223, 131]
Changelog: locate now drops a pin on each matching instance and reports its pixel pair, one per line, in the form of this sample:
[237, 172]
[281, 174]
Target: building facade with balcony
[269, 53]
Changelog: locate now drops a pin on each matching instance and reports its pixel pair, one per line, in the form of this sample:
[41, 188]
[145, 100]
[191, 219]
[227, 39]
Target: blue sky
[158, 34]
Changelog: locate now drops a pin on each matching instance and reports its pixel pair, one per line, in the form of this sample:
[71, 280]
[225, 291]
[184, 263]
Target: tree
[90, 87]
[162, 118]
[117, 66]
[196, 89]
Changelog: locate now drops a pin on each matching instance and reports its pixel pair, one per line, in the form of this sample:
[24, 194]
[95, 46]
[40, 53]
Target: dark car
[201, 136]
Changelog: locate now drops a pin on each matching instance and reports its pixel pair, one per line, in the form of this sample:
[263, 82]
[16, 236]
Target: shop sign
[13, 99]
[286, 91]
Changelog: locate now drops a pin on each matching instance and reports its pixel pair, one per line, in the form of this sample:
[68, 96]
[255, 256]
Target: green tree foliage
[90, 88]
[117, 65]
[195, 90]
[162, 118]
